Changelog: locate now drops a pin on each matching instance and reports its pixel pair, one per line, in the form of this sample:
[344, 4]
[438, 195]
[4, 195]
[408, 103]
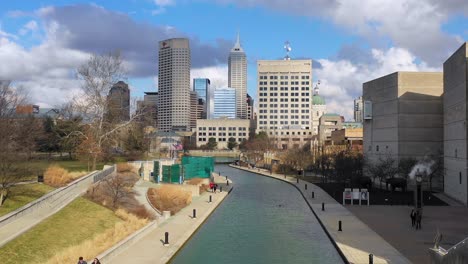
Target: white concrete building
[285, 101]
[237, 77]
[222, 129]
[174, 85]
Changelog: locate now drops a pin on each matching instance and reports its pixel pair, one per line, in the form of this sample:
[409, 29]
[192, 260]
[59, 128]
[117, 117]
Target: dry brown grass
[93, 247]
[125, 167]
[57, 176]
[194, 181]
[169, 198]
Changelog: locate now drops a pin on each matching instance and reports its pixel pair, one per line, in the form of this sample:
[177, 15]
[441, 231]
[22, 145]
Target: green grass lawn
[77, 222]
[23, 194]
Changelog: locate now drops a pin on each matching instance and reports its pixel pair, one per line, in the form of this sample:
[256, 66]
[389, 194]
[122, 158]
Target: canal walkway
[150, 248]
[356, 240]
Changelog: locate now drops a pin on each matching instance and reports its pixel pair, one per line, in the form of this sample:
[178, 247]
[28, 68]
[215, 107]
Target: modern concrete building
[358, 109]
[285, 101]
[119, 102]
[327, 124]
[222, 130]
[455, 122]
[319, 108]
[250, 107]
[237, 77]
[406, 117]
[224, 103]
[174, 85]
[194, 109]
[203, 88]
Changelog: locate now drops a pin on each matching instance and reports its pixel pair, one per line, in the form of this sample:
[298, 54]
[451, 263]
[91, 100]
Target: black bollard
[227, 183]
[371, 259]
[220, 188]
[339, 226]
[194, 214]
[166, 238]
[226, 177]
[306, 186]
[297, 180]
[210, 199]
[313, 195]
[323, 206]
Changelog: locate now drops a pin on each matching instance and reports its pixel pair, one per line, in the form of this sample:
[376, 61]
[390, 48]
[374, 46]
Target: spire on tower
[237, 46]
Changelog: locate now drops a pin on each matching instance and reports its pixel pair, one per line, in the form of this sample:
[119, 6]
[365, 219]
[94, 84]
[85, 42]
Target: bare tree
[15, 142]
[98, 75]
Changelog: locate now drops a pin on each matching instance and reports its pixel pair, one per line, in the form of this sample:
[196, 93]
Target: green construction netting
[197, 167]
[171, 173]
[156, 171]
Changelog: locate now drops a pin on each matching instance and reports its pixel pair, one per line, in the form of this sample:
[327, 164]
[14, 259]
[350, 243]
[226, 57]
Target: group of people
[416, 217]
[213, 187]
[82, 261]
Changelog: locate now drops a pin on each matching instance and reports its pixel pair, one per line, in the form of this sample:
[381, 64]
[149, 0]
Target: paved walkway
[150, 248]
[141, 188]
[357, 240]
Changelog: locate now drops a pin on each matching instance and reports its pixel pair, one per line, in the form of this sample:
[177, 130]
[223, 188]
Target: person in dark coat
[81, 261]
[418, 220]
[96, 261]
[413, 218]
[215, 187]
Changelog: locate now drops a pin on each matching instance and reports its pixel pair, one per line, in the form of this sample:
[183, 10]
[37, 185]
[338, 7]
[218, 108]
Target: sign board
[356, 194]
[367, 110]
[364, 196]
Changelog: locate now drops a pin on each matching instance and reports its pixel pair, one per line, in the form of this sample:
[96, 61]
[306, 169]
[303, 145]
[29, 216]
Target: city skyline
[42, 43]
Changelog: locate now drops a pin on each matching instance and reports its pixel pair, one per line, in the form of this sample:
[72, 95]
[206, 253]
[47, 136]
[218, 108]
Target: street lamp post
[418, 197]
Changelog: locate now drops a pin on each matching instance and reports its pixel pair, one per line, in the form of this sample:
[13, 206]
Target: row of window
[261, 88]
[283, 94]
[222, 134]
[283, 117]
[284, 111]
[221, 139]
[283, 77]
[283, 99]
[283, 122]
[222, 128]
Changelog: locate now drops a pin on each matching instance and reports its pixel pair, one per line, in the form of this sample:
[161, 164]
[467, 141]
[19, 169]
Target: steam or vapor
[424, 167]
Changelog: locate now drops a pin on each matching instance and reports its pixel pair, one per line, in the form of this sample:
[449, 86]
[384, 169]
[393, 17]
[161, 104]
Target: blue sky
[42, 42]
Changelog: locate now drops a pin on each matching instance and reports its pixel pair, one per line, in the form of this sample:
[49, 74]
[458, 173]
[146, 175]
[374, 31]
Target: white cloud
[31, 26]
[164, 2]
[218, 75]
[341, 81]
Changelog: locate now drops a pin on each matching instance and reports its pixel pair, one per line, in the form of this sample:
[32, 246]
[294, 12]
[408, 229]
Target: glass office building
[205, 93]
[224, 103]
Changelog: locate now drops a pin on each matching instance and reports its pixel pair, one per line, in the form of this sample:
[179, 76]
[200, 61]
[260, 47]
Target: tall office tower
[174, 85]
[250, 107]
[224, 103]
[148, 109]
[319, 107]
[237, 77]
[285, 101]
[194, 114]
[358, 109]
[119, 102]
[203, 88]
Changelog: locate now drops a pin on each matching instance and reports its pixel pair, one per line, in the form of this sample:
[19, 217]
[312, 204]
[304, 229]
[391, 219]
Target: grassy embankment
[82, 228]
[23, 194]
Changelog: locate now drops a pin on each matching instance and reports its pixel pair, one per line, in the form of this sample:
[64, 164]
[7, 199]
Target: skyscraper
[358, 109]
[203, 89]
[119, 102]
[174, 85]
[224, 103]
[237, 77]
[285, 101]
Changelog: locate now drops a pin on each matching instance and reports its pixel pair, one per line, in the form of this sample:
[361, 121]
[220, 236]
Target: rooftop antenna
[287, 47]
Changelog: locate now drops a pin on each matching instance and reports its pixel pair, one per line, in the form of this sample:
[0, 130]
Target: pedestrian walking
[215, 187]
[418, 220]
[96, 261]
[81, 261]
[413, 218]
[211, 186]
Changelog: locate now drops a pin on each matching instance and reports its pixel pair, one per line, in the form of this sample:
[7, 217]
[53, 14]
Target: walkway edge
[338, 249]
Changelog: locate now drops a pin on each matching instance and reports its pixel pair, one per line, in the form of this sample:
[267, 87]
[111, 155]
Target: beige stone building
[222, 129]
[285, 101]
[406, 118]
[455, 119]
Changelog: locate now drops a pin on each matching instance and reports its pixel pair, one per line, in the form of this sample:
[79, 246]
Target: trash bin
[40, 178]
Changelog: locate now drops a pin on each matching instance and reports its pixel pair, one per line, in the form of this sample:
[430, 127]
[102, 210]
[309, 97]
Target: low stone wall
[36, 211]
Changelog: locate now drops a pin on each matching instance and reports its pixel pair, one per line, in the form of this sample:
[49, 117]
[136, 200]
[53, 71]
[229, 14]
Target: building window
[377, 148]
[456, 153]
[460, 177]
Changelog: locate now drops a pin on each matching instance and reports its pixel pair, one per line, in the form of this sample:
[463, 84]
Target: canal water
[263, 220]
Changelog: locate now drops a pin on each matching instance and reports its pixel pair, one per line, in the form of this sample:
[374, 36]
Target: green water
[262, 221]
